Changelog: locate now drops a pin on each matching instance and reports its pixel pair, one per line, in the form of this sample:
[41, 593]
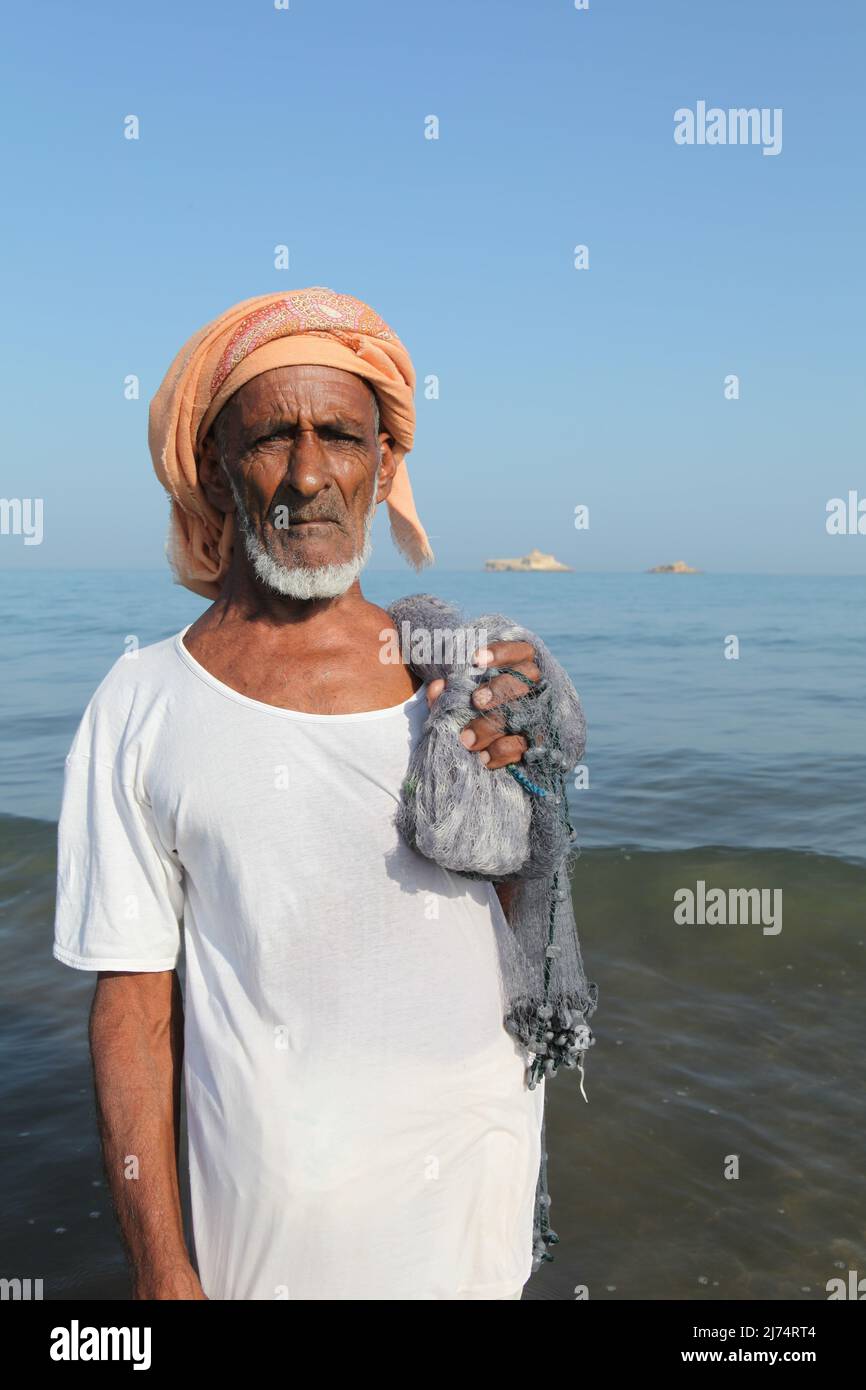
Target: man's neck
[261, 607]
[316, 655]
[247, 599]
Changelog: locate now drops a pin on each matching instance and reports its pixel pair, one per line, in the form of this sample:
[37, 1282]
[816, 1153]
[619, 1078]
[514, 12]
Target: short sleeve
[119, 888]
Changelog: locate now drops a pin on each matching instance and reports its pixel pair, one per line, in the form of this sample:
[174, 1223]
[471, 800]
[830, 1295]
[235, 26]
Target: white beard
[302, 581]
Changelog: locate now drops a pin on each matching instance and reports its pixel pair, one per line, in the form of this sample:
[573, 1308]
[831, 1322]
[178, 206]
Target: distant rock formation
[535, 560]
[678, 567]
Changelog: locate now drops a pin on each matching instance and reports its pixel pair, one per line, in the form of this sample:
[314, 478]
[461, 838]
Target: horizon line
[438, 569]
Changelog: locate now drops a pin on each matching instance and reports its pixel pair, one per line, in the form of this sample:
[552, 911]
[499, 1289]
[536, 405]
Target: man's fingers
[508, 749]
[486, 738]
[499, 689]
[480, 733]
[504, 654]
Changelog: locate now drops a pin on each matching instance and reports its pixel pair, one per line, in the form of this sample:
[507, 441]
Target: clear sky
[558, 387]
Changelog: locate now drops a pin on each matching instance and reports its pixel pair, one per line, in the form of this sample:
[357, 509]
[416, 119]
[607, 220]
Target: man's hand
[485, 735]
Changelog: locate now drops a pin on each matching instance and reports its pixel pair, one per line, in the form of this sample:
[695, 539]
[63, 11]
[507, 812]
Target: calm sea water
[685, 747]
[712, 1041]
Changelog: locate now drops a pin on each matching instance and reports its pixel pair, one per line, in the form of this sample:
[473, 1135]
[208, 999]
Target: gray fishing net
[506, 826]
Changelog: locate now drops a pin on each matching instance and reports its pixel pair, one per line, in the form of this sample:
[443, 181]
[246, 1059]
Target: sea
[718, 1152]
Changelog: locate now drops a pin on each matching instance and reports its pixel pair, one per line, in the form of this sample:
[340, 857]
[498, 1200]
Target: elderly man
[359, 1123]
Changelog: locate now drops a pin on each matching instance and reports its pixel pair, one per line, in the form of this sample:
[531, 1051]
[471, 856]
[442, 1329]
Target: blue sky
[559, 387]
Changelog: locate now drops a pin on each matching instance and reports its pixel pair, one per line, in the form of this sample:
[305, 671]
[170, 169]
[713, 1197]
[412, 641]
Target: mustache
[281, 515]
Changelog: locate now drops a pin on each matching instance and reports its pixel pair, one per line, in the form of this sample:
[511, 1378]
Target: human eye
[282, 432]
[340, 434]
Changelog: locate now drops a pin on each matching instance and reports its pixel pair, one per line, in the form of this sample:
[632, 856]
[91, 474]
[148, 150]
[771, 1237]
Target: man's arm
[136, 1043]
[505, 894]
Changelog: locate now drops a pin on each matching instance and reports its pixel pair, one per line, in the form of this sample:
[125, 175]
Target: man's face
[297, 455]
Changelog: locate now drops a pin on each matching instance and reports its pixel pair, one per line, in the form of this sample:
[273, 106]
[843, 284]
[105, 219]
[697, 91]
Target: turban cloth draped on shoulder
[314, 326]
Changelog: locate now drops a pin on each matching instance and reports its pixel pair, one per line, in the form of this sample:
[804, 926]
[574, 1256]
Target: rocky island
[678, 567]
[535, 560]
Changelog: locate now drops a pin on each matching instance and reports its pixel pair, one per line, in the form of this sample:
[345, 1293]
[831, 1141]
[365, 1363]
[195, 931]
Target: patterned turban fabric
[314, 326]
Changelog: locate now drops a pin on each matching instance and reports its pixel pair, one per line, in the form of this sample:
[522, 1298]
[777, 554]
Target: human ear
[212, 475]
[387, 466]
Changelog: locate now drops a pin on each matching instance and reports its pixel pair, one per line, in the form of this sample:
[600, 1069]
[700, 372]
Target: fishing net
[510, 825]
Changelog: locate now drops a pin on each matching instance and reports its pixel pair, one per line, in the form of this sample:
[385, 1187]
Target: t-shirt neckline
[230, 693]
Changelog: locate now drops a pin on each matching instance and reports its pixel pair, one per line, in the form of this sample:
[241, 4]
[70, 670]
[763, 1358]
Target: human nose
[306, 471]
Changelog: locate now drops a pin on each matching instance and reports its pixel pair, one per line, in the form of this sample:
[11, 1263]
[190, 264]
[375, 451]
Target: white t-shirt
[359, 1123]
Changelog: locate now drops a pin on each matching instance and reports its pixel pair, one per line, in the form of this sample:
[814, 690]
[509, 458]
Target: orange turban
[314, 326]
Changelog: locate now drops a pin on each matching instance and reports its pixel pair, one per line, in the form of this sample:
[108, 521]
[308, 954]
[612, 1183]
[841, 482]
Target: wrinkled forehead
[284, 391]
